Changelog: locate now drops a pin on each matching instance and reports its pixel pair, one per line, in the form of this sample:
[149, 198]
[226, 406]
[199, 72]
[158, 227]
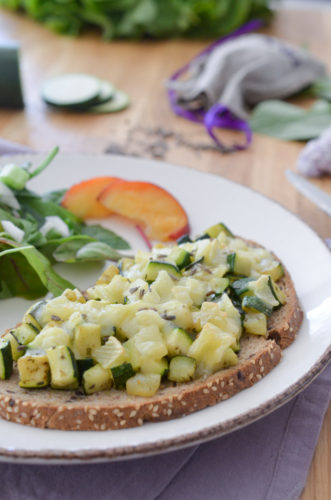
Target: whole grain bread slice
[71, 410]
[68, 410]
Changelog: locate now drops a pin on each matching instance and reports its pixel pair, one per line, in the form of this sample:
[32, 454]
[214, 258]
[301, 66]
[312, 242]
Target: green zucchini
[158, 366]
[17, 349]
[87, 336]
[25, 333]
[154, 267]
[119, 101]
[241, 286]
[184, 239]
[180, 257]
[255, 323]
[33, 369]
[6, 359]
[181, 369]
[83, 365]
[96, 379]
[215, 230]
[253, 303]
[64, 371]
[71, 90]
[178, 342]
[239, 263]
[121, 374]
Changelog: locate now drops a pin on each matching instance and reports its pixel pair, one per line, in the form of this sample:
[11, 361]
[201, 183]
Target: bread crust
[71, 410]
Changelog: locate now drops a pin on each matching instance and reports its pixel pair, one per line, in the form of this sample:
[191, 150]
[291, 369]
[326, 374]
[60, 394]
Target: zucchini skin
[6, 360]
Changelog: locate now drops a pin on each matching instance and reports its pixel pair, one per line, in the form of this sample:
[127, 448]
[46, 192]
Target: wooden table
[149, 128]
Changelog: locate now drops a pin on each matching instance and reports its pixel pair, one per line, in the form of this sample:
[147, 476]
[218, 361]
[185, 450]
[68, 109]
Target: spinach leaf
[99, 233]
[97, 251]
[27, 272]
[285, 121]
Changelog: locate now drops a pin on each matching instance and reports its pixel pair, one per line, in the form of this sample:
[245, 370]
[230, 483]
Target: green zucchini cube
[64, 371]
[33, 370]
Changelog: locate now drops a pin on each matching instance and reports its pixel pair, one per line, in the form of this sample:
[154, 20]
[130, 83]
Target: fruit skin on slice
[82, 199]
[151, 206]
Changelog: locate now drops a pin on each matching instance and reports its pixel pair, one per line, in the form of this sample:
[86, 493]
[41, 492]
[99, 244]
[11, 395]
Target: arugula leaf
[288, 122]
[99, 233]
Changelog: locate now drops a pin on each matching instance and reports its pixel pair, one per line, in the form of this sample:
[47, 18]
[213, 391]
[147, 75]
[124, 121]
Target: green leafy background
[144, 18]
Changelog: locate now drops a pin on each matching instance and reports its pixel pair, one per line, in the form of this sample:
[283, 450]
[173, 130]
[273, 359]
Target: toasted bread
[71, 410]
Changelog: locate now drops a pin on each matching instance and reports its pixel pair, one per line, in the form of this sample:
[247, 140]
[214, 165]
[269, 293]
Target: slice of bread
[71, 410]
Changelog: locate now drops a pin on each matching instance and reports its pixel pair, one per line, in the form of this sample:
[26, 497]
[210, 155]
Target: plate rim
[49, 456]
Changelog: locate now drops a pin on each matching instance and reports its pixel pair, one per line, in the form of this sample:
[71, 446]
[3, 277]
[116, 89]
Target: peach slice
[151, 206]
[82, 199]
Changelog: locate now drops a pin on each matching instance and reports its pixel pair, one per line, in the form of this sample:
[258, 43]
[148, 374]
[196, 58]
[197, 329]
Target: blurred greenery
[137, 19]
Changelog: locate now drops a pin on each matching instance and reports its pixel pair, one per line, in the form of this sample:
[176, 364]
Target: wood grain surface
[149, 128]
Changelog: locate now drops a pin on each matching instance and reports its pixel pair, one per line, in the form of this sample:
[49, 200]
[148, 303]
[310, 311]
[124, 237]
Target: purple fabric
[267, 460]
[217, 116]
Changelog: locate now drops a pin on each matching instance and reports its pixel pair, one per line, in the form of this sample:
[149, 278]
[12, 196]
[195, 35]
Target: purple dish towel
[267, 460]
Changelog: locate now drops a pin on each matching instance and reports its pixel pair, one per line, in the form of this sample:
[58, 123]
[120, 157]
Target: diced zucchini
[178, 342]
[209, 348]
[181, 369]
[194, 264]
[216, 294]
[83, 365]
[17, 350]
[50, 336]
[279, 295]
[184, 239]
[159, 366]
[6, 359]
[267, 291]
[107, 275]
[125, 264]
[133, 354]
[230, 358]
[180, 257]
[32, 314]
[64, 372]
[255, 304]
[144, 385]
[149, 343]
[33, 369]
[112, 353]
[25, 333]
[241, 286]
[271, 267]
[87, 337]
[96, 379]
[154, 267]
[255, 323]
[203, 236]
[240, 263]
[121, 374]
[215, 230]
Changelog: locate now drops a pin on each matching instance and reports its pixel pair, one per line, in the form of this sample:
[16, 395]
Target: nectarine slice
[151, 206]
[82, 199]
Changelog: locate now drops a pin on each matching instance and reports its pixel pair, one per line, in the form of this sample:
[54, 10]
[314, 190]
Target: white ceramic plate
[208, 199]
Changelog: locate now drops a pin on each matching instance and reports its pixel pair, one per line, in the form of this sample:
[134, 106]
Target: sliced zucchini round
[107, 91]
[119, 101]
[71, 90]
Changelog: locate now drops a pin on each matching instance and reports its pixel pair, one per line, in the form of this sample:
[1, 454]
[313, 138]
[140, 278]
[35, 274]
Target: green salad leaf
[36, 232]
[144, 18]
